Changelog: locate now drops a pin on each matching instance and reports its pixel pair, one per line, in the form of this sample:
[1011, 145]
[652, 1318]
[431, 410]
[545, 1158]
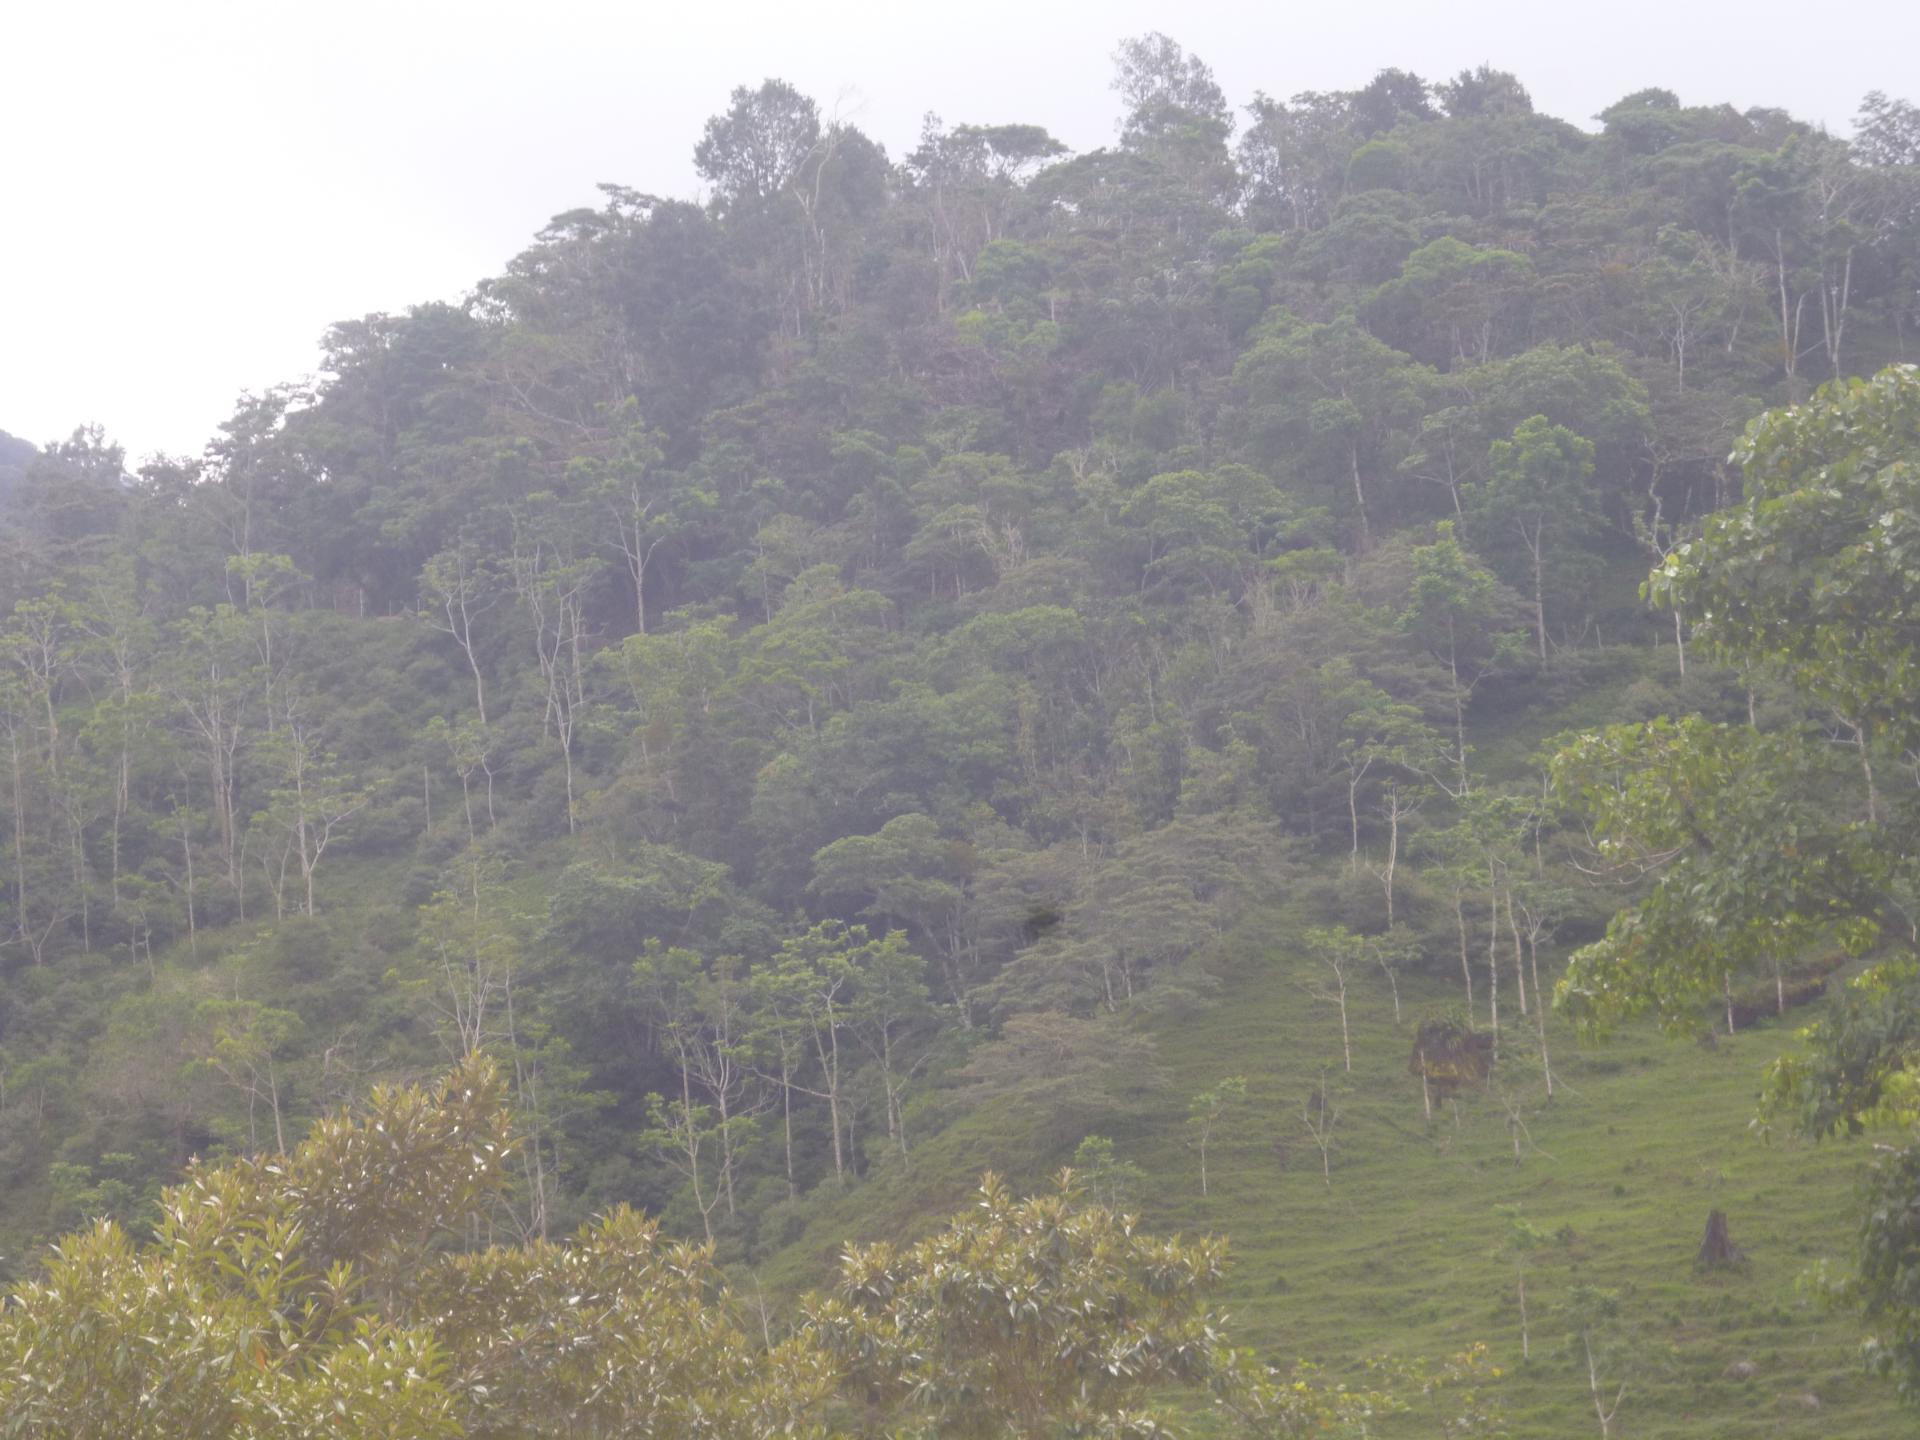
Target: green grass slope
[1401, 1254]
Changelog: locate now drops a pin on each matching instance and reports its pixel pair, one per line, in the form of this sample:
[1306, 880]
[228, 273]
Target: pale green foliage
[324, 1293]
[271, 1300]
[305, 1295]
[1049, 1317]
[616, 1332]
[1022, 1317]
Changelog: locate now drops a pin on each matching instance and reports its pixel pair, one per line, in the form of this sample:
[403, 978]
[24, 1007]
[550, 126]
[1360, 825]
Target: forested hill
[786, 671]
[15, 455]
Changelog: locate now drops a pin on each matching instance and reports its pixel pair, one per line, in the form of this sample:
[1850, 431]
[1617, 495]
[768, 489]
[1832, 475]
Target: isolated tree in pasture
[1338, 955]
[1601, 1350]
[1208, 1111]
[1521, 1240]
[1320, 1117]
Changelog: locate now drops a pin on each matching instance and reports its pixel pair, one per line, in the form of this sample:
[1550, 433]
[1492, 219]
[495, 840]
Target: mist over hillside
[15, 456]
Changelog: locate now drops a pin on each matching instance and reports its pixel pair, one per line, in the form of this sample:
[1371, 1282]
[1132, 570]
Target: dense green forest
[879, 674]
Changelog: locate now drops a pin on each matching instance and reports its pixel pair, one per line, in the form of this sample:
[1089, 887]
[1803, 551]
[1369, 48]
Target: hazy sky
[191, 192]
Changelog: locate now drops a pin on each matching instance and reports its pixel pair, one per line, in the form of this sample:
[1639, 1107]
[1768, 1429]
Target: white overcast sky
[191, 191]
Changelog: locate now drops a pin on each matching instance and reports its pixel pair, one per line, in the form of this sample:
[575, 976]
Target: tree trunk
[1600, 1410]
[1346, 1037]
[186, 846]
[273, 1096]
[786, 1117]
[1540, 1009]
[1360, 499]
[1716, 1247]
[1393, 851]
[1789, 336]
[1353, 815]
[1519, 967]
[1459, 705]
[1526, 1350]
[1460, 923]
[1535, 548]
[1493, 970]
[19, 840]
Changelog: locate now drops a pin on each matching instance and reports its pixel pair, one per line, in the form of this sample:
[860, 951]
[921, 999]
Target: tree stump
[1717, 1248]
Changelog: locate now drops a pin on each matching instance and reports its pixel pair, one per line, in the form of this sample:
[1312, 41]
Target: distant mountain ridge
[15, 455]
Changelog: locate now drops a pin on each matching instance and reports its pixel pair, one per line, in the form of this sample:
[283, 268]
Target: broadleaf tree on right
[1768, 844]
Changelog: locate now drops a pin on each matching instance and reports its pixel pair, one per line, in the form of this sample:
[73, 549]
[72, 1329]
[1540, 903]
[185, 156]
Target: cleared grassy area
[1401, 1254]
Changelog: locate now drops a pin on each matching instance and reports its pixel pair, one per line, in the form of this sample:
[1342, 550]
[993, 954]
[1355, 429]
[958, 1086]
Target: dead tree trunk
[1717, 1248]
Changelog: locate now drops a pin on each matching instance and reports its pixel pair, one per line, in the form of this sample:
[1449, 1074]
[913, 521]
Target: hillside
[1402, 1251]
[1403, 1254]
[15, 455]
[901, 666]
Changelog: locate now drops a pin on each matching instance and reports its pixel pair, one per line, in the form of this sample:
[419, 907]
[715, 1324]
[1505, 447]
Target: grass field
[1401, 1254]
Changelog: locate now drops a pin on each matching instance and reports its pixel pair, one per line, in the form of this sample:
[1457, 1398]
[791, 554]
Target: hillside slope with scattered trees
[787, 674]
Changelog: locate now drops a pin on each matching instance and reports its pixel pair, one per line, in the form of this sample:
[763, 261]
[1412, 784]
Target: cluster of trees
[782, 670]
[350, 1287]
